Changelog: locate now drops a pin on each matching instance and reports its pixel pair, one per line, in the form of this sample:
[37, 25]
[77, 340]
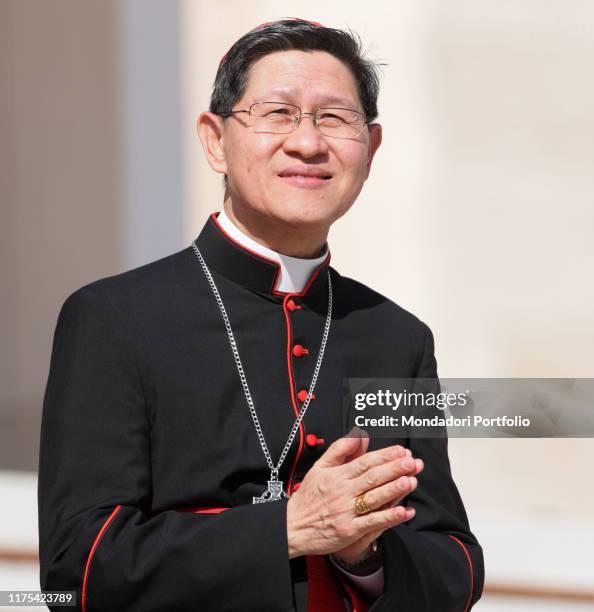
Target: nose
[306, 139]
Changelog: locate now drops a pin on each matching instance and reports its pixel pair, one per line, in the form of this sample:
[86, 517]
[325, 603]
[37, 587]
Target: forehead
[301, 76]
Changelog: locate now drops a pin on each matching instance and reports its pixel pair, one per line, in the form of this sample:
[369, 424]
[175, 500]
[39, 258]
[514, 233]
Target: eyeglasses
[282, 118]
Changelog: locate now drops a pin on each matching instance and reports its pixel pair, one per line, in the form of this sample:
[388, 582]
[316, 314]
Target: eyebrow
[329, 99]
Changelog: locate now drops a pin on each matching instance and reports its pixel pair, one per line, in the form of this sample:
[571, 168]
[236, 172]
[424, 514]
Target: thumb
[363, 446]
[343, 449]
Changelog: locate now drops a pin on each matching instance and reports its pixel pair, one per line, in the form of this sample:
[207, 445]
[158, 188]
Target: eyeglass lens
[279, 118]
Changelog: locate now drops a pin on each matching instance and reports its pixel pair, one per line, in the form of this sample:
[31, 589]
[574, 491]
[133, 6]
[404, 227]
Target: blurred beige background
[484, 183]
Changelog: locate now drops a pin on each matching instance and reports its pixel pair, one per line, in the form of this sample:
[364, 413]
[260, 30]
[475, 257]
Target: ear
[210, 130]
[375, 139]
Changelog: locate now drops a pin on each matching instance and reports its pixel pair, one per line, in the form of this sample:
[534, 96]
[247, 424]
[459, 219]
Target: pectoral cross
[273, 493]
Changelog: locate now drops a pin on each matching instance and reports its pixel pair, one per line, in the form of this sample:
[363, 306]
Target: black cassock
[145, 421]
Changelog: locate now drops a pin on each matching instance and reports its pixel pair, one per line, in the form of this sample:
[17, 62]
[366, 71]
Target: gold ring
[361, 506]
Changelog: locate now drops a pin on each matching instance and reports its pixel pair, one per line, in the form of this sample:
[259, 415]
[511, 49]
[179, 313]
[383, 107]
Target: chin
[305, 216]
[305, 210]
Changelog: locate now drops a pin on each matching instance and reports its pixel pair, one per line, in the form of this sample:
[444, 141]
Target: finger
[373, 535]
[374, 458]
[391, 493]
[383, 519]
[368, 538]
[359, 452]
[339, 451]
[381, 474]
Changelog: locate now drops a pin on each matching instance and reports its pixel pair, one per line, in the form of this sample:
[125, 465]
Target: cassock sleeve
[433, 562]
[97, 535]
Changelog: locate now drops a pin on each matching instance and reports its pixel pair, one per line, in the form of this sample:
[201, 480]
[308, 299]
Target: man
[192, 456]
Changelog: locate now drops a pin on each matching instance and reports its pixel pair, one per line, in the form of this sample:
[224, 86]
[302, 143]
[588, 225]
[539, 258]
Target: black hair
[293, 34]
[286, 35]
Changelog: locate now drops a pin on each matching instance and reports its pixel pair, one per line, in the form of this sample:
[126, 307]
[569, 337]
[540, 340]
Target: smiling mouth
[324, 177]
[305, 181]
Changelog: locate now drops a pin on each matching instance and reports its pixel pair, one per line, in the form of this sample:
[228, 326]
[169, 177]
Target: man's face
[257, 164]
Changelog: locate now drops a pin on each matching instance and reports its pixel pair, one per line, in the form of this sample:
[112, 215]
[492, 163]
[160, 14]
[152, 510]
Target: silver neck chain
[274, 469]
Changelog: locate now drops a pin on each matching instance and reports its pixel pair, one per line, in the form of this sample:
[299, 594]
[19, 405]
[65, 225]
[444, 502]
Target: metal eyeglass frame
[314, 117]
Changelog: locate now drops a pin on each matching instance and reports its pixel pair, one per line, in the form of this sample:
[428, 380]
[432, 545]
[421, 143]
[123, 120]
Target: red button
[302, 395]
[313, 440]
[292, 306]
[299, 350]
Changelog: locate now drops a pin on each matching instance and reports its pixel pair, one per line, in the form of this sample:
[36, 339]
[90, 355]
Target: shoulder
[131, 293]
[368, 306]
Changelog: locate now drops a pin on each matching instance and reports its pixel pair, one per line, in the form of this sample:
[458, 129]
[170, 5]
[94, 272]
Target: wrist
[293, 539]
[367, 563]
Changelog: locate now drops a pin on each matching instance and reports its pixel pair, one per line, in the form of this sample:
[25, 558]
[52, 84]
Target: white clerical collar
[295, 272]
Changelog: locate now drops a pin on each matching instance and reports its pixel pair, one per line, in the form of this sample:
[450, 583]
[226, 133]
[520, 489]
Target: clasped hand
[321, 514]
